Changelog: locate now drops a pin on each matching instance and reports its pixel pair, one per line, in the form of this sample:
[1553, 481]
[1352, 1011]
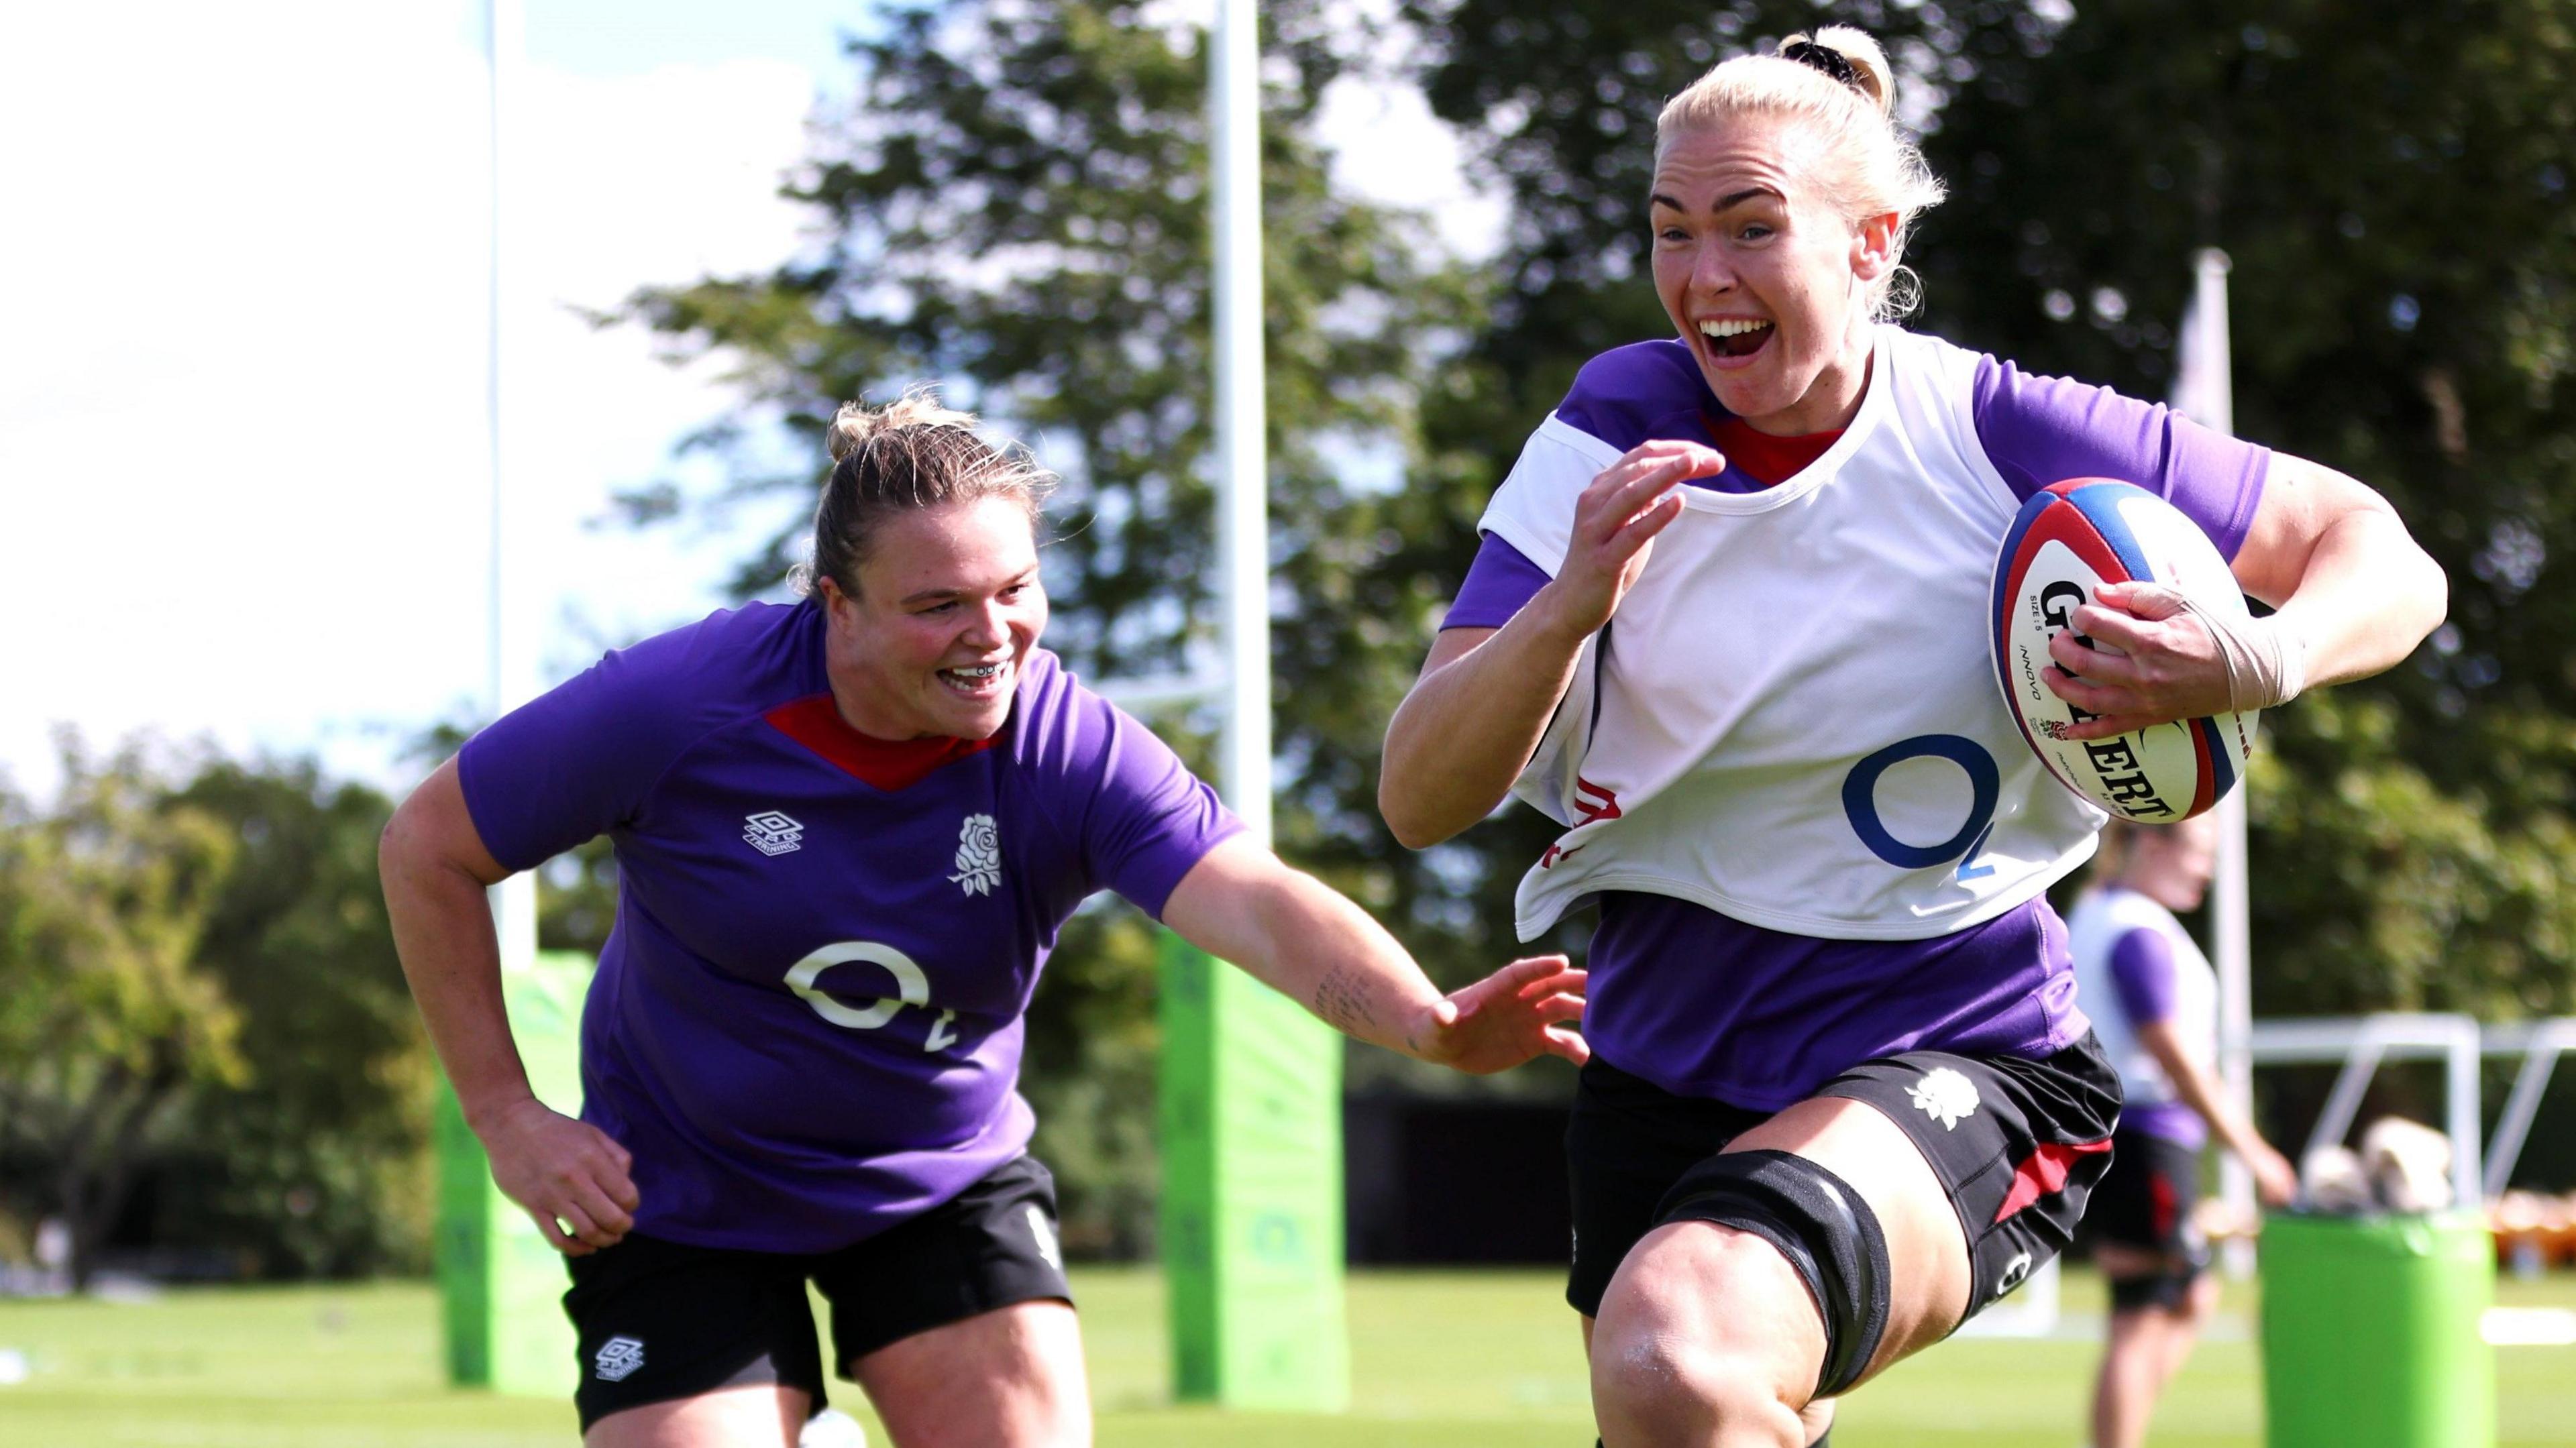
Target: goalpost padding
[501, 1284]
[1251, 1221]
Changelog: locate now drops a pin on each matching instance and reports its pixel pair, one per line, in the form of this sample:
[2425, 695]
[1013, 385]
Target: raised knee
[1652, 1386]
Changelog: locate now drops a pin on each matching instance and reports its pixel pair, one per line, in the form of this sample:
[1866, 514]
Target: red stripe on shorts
[2045, 1171]
[2160, 1193]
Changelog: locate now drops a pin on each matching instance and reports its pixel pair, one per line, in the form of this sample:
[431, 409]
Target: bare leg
[2185, 1330]
[2124, 1392]
[1817, 1418]
[1011, 1378]
[2145, 1348]
[756, 1416]
[1707, 1335]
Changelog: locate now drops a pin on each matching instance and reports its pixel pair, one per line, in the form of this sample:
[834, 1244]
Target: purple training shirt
[1791, 1012]
[2142, 977]
[807, 1021]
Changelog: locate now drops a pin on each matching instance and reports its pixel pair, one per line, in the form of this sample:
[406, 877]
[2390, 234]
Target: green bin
[2371, 1332]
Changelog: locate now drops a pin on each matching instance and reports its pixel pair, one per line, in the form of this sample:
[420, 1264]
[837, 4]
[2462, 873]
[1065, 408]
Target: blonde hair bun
[856, 422]
[911, 453]
[1877, 77]
[1836, 83]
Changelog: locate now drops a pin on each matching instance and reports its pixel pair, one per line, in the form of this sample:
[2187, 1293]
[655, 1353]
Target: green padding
[502, 1285]
[2370, 1332]
[1252, 1192]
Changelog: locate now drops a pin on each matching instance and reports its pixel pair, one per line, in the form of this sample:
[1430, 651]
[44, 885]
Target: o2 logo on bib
[912, 988]
[1985, 784]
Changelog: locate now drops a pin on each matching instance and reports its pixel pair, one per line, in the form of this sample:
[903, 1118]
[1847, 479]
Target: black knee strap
[1820, 1224]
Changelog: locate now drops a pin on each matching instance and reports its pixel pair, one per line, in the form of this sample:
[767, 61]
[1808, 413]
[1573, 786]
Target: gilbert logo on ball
[2070, 539]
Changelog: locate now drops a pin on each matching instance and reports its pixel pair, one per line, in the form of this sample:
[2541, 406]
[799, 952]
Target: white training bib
[1793, 719]
[2101, 917]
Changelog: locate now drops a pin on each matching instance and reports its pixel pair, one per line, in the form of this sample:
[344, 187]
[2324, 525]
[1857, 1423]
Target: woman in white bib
[2154, 1003]
[1727, 629]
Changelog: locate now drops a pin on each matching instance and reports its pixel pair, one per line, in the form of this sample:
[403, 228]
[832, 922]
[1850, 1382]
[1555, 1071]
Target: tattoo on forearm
[1341, 1000]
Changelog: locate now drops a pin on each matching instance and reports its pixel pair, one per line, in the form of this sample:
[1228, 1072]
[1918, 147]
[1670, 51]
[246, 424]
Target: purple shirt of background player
[1789, 1011]
[2142, 976]
[807, 1021]
[848, 832]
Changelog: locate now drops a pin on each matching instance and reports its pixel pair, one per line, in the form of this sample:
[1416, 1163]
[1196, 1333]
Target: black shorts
[662, 1320]
[2017, 1144]
[2146, 1202]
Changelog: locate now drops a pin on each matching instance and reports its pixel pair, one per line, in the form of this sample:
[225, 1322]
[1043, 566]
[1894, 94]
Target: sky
[244, 494]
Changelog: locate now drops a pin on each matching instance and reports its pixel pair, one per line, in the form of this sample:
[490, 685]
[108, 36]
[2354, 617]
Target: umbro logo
[773, 833]
[618, 1358]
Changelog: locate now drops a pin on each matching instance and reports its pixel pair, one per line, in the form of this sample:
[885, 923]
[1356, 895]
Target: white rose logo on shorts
[979, 856]
[1945, 1096]
[618, 1358]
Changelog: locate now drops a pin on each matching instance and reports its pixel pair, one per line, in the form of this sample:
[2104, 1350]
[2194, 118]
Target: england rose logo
[979, 856]
[1945, 1096]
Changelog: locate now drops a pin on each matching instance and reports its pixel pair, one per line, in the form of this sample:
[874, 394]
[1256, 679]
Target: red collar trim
[889, 764]
[1768, 460]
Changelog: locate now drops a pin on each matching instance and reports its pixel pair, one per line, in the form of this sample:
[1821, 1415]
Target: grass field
[1442, 1360]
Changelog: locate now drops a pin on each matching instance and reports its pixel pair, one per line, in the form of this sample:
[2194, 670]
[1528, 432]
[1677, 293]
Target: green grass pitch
[1441, 1360]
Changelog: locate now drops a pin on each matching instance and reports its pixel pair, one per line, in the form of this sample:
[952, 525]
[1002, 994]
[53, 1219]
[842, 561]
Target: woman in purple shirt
[1843, 1096]
[847, 834]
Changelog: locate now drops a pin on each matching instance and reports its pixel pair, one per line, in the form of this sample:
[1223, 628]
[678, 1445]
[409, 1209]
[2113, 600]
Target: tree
[2395, 200]
[1558, 103]
[322, 1141]
[1015, 205]
[107, 1017]
[202, 1024]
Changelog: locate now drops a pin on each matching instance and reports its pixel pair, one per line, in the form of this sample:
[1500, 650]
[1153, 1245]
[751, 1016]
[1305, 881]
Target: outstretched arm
[1299, 936]
[566, 1173]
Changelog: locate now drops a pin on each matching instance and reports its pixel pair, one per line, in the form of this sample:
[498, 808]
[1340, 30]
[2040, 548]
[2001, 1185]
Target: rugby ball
[2068, 540]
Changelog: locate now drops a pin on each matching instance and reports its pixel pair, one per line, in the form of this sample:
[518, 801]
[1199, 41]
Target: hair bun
[1870, 72]
[856, 422]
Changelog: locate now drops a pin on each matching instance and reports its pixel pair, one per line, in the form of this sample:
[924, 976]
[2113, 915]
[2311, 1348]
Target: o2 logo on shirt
[912, 988]
[1985, 782]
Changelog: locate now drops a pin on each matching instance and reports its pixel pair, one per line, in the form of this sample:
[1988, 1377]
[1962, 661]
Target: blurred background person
[2153, 1000]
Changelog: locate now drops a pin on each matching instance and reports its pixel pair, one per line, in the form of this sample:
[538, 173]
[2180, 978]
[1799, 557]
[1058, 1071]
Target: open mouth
[1736, 336]
[976, 681]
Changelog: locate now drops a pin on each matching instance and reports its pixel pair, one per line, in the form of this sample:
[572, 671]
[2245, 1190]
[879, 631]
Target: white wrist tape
[2267, 665]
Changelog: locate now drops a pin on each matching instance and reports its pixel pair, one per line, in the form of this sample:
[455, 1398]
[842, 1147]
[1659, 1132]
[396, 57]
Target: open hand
[1615, 523]
[2166, 665]
[1507, 1018]
[2275, 1180]
[569, 1175]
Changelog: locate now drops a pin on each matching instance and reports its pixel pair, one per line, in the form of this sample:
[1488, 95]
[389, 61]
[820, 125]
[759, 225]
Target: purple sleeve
[1498, 583]
[571, 763]
[2142, 976]
[1139, 817]
[2042, 430]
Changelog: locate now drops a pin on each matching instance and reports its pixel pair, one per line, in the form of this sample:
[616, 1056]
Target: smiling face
[1766, 282]
[948, 607]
